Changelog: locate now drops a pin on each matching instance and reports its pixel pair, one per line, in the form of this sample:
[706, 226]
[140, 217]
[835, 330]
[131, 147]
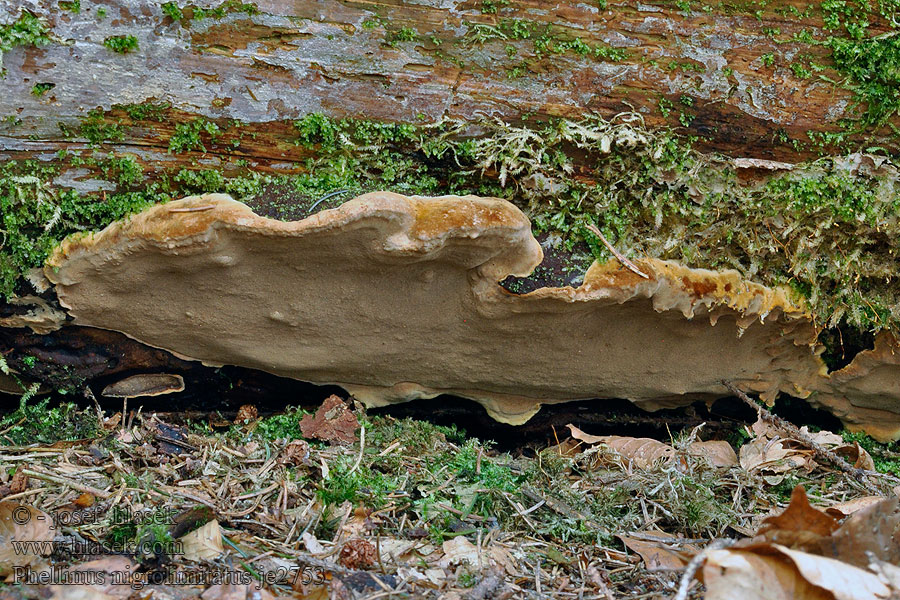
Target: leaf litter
[341, 504]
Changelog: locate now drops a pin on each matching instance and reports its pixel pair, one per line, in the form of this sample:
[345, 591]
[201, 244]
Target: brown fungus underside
[397, 298]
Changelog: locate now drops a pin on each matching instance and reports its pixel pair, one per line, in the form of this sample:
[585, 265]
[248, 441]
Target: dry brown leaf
[22, 523]
[823, 438]
[799, 525]
[313, 546]
[585, 437]
[642, 452]
[19, 482]
[843, 509]
[719, 452]
[774, 456]
[333, 422]
[204, 543]
[843, 580]
[459, 550]
[869, 533]
[856, 455]
[296, 453]
[742, 575]
[656, 556]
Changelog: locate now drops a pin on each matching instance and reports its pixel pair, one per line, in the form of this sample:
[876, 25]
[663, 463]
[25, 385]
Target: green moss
[96, 128]
[39, 89]
[71, 6]
[404, 34]
[145, 111]
[40, 423]
[125, 170]
[122, 44]
[184, 14]
[546, 40]
[27, 30]
[189, 136]
[34, 215]
[490, 7]
[172, 10]
[283, 426]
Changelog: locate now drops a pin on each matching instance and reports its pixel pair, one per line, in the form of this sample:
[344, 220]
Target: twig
[691, 569]
[326, 197]
[794, 432]
[615, 252]
[562, 508]
[187, 209]
[362, 448]
[72, 484]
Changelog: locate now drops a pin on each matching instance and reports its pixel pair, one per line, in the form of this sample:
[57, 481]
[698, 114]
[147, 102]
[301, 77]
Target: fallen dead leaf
[774, 456]
[843, 580]
[459, 550]
[313, 546]
[843, 509]
[646, 452]
[856, 455]
[738, 575]
[295, 453]
[656, 556]
[204, 543]
[20, 522]
[870, 533]
[826, 559]
[719, 452]
[642, 452]
[333, 422]
[799, 525]
[19, 482]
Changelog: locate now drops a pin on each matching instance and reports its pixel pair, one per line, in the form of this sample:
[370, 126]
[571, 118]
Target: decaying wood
[343, 58]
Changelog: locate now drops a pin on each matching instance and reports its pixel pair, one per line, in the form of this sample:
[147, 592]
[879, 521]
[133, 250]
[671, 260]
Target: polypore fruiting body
[145, 384]
[397, 298]
[866, 393]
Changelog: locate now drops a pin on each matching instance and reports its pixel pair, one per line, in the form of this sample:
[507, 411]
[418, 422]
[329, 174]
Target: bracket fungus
[396, 298]
[144, 385]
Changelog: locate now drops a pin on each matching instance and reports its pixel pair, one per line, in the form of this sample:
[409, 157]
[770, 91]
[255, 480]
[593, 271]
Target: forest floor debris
[119, 506]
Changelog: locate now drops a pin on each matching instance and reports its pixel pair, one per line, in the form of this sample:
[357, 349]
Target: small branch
[793, 432]
[633, 267]
[692, 567]
[362, 449]
[62, 481]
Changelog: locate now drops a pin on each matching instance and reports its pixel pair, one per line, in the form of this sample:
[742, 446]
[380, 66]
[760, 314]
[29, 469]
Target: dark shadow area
[560, 267]
[843, 343]
[548, 427]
